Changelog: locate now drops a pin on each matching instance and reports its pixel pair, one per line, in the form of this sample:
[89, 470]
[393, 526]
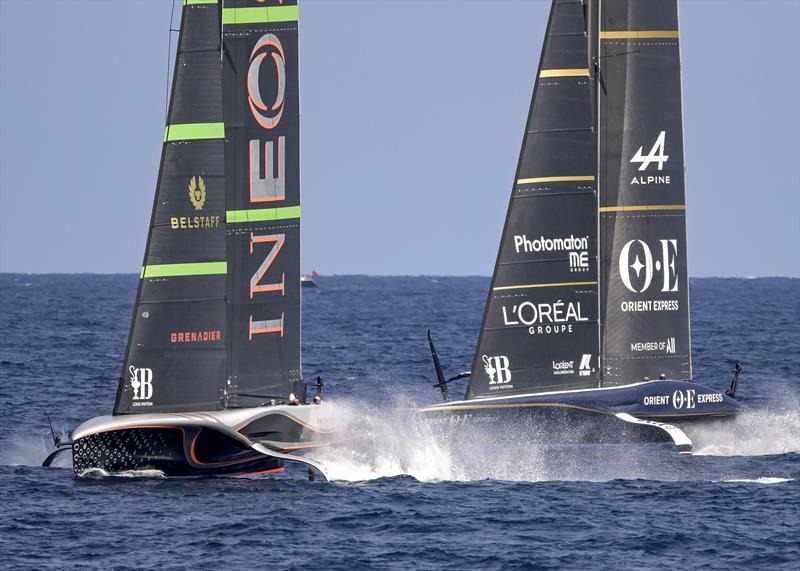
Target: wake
[752, 433]
[394, 440]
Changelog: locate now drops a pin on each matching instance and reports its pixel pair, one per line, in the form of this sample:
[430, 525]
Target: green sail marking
[262, 214]
[175, 270]
[190, 131]
[259, 15]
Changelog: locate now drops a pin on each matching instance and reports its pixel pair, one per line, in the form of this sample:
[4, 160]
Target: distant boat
[307, 280]
[588, 310]
[212, 380]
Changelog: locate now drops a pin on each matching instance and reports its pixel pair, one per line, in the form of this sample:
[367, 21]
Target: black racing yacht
[212, 381]
[588, 311]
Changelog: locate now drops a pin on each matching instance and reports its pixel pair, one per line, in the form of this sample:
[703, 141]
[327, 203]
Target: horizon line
[89, 273]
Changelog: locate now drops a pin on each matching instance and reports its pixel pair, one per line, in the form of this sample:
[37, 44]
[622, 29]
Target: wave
[753, 433]
[397, 441]
[394, 440]
[100, 473]
[762, 480]
[31, 450]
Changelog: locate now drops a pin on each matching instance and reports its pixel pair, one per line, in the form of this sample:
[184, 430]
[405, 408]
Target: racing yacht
[212, 380]
[587, 316]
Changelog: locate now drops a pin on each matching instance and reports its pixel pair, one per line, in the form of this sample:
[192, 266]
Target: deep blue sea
[404, 495]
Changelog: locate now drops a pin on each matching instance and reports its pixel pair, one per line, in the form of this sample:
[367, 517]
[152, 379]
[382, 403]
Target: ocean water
[405, 494]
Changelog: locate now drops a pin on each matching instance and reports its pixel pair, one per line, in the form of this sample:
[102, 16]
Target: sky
[412, 118]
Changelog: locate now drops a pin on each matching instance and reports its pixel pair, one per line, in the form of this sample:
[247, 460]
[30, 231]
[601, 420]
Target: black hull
[173, 451]
[555, 425]
[565, 425]
[655, 411]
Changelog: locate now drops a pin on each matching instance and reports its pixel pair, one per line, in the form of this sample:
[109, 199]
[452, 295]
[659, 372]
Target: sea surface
[404, 495]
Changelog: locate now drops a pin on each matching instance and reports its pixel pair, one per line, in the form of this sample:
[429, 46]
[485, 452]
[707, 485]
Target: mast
[262, 164]
[539, 329]
[644, 305]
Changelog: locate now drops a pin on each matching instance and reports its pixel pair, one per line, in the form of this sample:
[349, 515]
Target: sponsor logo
[656, 155]
[644, 268]
[545, 318]
[683, 399]
[195, 336]
[579, 261]
[197, 192]
[498, 369]
[656, 400]
[585, 368]
[193, 222]
[665, 346]
[563, 367]
[141, 380]
[578, 248]
[645, 306]
[704, 398]
[542, 244]
[272, 185]
[268, 115]
[197, 197]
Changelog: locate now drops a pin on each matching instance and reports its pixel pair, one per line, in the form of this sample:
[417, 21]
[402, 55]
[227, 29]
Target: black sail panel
[175, 360]
[540, 330]
[644, 296]
[262, 165]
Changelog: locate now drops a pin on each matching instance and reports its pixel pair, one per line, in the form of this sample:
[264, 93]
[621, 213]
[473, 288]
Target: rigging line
[169, 52]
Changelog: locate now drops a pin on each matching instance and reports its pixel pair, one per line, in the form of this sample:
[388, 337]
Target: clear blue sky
[413, 113]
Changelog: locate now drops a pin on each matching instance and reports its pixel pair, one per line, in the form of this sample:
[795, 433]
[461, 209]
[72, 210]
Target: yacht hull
[217, 443]
[655, 411]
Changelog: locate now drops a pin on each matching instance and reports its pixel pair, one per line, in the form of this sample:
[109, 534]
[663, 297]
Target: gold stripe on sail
[555, 179]
[528, 286]
[642, 207]
[580, 72]
[639, 35]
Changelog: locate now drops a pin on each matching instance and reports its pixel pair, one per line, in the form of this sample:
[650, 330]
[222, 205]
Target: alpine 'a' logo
[141, 383]
[197, 192]
[656, 154]
[497, 368]
[267, 115]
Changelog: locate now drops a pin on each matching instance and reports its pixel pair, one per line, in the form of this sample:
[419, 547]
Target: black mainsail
[540, 329]
[217, 316]
[590, 286]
